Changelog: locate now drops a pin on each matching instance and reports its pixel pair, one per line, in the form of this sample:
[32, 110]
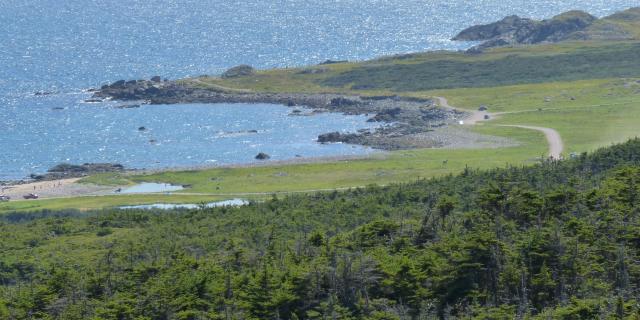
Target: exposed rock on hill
[517, 30]
[239, 71]
[572, 25]
[559, 28]
[508, 26]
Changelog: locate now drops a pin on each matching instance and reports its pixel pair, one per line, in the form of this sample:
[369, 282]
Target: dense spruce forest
[557, 240]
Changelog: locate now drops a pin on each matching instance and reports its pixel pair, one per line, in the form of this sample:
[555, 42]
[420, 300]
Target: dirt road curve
[475, 116]
[553, 138]
[556, 147]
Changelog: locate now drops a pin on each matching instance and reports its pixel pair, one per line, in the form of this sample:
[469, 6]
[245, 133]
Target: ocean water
[65, 47]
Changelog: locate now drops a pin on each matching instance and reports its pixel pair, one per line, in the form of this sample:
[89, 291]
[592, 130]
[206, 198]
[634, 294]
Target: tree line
[557, 240]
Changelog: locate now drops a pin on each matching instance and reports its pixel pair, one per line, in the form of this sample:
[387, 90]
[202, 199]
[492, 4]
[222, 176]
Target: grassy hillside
[557, 240]
[585, 63]
[622, 25]
[442, 70]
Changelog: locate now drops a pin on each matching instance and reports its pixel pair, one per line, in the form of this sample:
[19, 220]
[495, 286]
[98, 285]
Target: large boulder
[239, 71]
[353, 138]
[330, 137]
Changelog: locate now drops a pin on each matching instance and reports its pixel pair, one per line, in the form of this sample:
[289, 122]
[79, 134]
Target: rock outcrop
[65, 170]
[509, 26]
[263, 156]
[239, 71]
[516, 30]
[330, 137]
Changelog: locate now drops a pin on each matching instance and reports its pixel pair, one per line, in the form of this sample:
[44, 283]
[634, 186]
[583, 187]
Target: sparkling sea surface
[67, 46]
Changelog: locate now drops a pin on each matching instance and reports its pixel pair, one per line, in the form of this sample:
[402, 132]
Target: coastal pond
[169, 206]
[150, 187]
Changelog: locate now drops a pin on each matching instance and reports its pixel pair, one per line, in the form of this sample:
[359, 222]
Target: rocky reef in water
[66, 171]
[571, 25]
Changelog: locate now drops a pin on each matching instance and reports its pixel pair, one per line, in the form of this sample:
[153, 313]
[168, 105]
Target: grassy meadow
[588, 114]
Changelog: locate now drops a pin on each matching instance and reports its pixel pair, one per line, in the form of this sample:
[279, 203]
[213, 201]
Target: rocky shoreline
[68, 171]
[404, 120]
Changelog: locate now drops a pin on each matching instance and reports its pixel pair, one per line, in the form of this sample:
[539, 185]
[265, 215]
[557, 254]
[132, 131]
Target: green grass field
[587, 114]
[551, 95]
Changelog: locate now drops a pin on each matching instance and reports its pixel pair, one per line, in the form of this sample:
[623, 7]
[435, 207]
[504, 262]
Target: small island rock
[263, 156]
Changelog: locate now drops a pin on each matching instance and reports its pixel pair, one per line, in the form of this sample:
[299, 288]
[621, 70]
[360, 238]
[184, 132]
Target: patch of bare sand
[55, 189]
